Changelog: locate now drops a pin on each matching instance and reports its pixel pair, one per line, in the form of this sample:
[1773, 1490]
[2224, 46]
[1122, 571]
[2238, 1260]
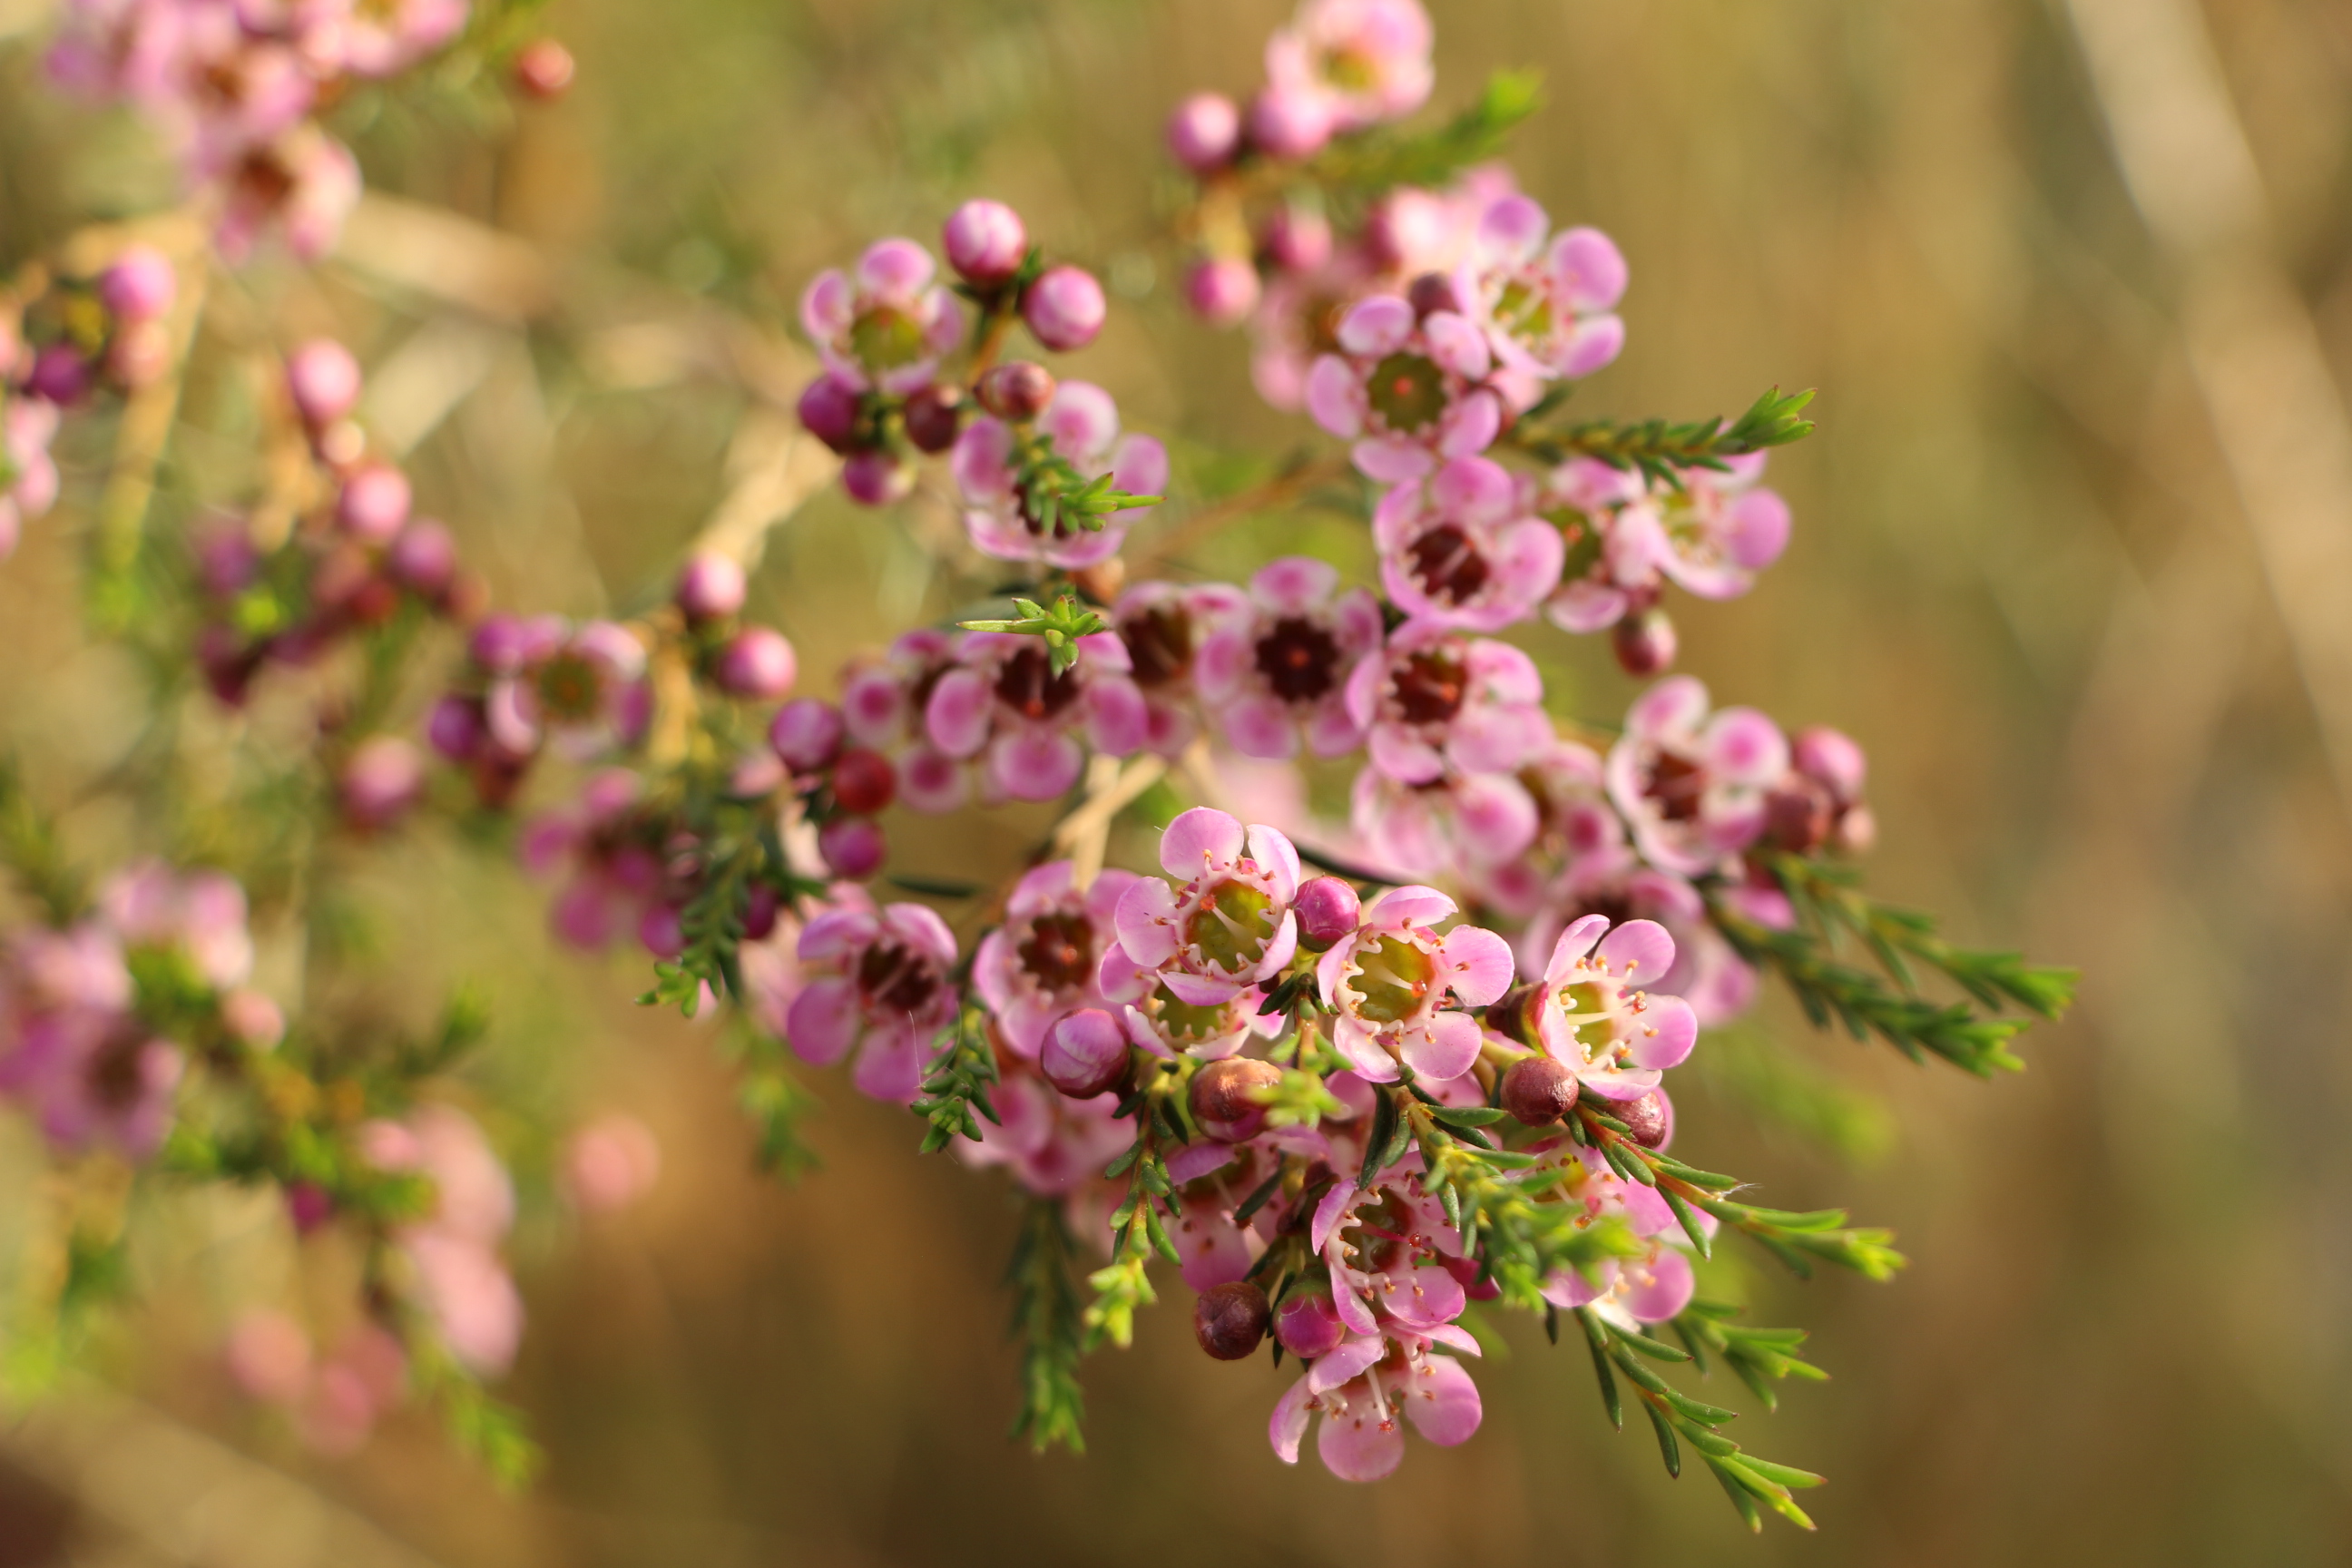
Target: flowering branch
[1663, 452]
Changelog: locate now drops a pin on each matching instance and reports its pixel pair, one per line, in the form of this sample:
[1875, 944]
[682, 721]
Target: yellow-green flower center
[1393, 978]
[1231, 926]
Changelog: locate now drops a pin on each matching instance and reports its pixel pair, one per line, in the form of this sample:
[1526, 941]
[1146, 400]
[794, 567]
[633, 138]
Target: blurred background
[2073, 558]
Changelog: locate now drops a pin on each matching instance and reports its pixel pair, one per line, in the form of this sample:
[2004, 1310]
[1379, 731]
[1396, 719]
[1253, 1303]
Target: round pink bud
[710, 588]
[323, 379]
[543, 69]
[1538, 1091]
[1857, 830]
[385, 777]
[852, 847]
[1017, 392]
[308, 1206]
[807, 733]
[1833, 759]
[985, 242]
[1064, 308]
[662, 931]
[141, 285]
[1229, 1320]
[423, 559]
[1204, 131]
[1308, 1325]
[1329, 909]
[1298, 238]
[828, 411]
[455, 728]
[757, 663]
[60, 374]
[1222, 290]
[1224, 1098]
[1645, 644]
[1085, 1055]
[1289, 125]
[877, 478]
[252, 1019]
[374, 504]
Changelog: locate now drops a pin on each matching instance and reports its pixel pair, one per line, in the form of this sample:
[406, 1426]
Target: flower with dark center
[1299, 659]
[1159, 644]
[1429, 688]
[1029, 685]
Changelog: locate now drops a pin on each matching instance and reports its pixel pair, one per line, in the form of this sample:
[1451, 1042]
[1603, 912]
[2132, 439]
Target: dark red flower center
[1299, 659]
[1060, 952]
[1028, 685]
[895, 980]
[1159, 644]
[1448, 564]
[1430, 688]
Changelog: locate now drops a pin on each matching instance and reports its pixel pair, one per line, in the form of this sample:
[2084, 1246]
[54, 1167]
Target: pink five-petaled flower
[1458, 549]
[1386, 1248]
[1692, 785]
[305, 182]
[880, 988]
[1165, 627]
[1389, 983]
[886, 326]
[1362, 61]
[1595, 1019]
[1434, 702]
[1407, 392]
[1229, 926]
[1005, 703]
[1081, 424]
[1546, 306]
[1651, 1289]
[1042, 963]
[1711, 534]
[581, 692]
[1282, 668]
[1359, 1389]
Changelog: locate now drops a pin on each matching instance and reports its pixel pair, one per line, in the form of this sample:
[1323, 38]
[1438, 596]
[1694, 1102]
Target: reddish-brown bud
[1647, 1120]
[1645, 643]
[933, 415]
[1538, 1091]
[1432, 291]
[1229, 1319]
[1018, 391]
[863, 782]
[1224, 1100]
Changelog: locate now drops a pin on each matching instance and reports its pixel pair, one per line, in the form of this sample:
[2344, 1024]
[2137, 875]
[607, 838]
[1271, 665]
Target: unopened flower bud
[1538, 1091]
[455, 728]
[1308, 1325]
[876, 479]
[141, 285]
[252, 1019]
[1289, 125]
[760, 908]
[1223, 1098]
[1085, 1055]
[985, 241]
[1222, 290]
[1857, 830]
[1329, 908]
[1798, 815]
[1102, 581]
[1064, 308]
[383, 778]
[828, 411]
[1645, 643]
[324, 380]
[710, 587]
[374, 504]
[1649, 1120]
[1831, 759]
[662, 931]
[1432, 292]
[60, 374]
[807, 733]
[308, 1206]
[853, 846]
[423, 559]
[1017, 392]
[1513, 1014]
[757, 663]
[1204, 131]
[544, 69]
[1229, 1320]
[863, 782]
[933, 415]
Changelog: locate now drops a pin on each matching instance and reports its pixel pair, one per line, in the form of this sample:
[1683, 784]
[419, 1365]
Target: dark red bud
[1538, 1091]
[1646, 1122]
[863, 782]
[1645, 643]
[1224, 1100]
[933, 415]
[1018, 391]
[1432, 291]
[1229, 1319]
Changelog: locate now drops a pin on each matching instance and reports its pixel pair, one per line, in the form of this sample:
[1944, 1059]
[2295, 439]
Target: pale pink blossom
[1407, 392]
[1547, 303]
[1164, 626]
[1692, 784]
[1390, 983]
[1457, 548]
[1631, 1292]
[1080, 424]
[1366, 61]
[1595, 1018]
[1043, 962]
[1227, 925]
[1277, 675]
[1003, 705]
[877, 986]
[885, 325]
[1434, 702]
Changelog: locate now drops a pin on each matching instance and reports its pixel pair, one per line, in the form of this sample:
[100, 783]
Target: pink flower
[28, 475]
[1459, 550]
[1366, 61]
[1594, 1019]
[460, 1281]
[613, 853]
[1164, 626]
[1281, 670]
[1081, 426]
[610, 1162]
[1297, 322]
[1434, 702]
[1407, 392]
[304, 184]
[1359, 1390]
[882, 707]
[1459, 823]
[1229, 925]
[1652, 1288]
[1005, 704]
[1160, 1021]
[1390, 981]
[1545, 305]
[583, 692]
[886, 326]
[1691, 785]
[1042, 963]
[1054, 1145]
[880, 989]
[198, 916]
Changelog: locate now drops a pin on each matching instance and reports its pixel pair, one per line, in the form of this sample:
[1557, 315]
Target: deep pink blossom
[1390, 983]
[1081, 424]
[1003, 705]
[1043, 962]
[1227, 925]
[579, 691]
[1692, 784]
[886, 325]
[1278, 673]
[880, 989]
[1458, 549]
[1407, 392]
[1434, 702]
[1165, 626]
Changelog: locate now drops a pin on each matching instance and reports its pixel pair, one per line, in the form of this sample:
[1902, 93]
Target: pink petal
[1377, 326]
[1669, 1030]
[1294, 584]
[823, 1022]
[1334, 398]
[1356, 1447]
[1745, 747]
[1589, 269]
[1673, 707]
[1411, 905]
[1346, 1362]
[1146, 924]
[1574, 943]
[1082, 421]
[1515, 228]
[1261, 727]
[919, 927]
[1639, 950]
[1481, 964]
[1328, 1213]
[1445, 1047]
[956, 717]
[1034, 764]
[1117, 716]
[1275, 855]
[1442, 1400]
[1756, 528]
[1660, 1288]
[1199, 841]
[1595, 342]
[1390, 459]
[1458, 346]
[1289, 1423]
